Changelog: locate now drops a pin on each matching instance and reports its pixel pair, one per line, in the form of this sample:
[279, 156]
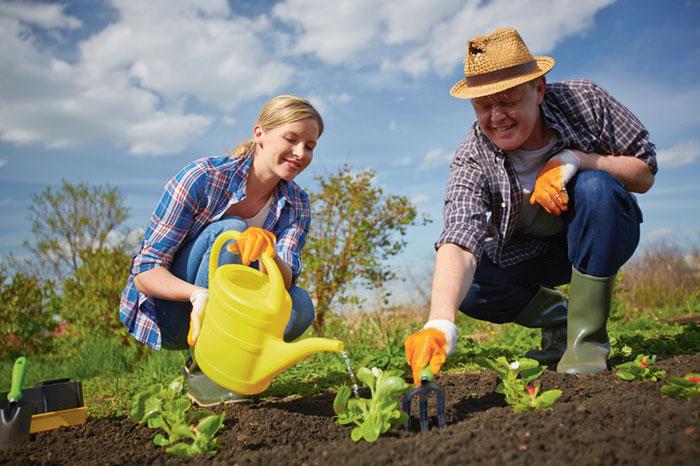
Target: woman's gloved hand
[430, 346]
[199, 299]
[252, 243]
[550, 185]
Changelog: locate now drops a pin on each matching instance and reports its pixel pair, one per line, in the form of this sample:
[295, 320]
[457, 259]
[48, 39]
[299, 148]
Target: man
[538, 196]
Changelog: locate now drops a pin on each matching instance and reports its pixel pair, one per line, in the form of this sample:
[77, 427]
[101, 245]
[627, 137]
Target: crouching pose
[538, 196]
[251, 191]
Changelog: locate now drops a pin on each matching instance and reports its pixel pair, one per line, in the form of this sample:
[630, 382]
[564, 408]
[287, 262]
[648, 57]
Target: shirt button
[503, 204]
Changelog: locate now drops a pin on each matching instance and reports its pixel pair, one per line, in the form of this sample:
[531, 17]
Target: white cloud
[393, 126]
[228, 120]
[38, 14]
[132, 83]
[402, 162]
[681, 154]
[3, 162]
[132, 80]
[420, 198]
[660, 234]
[435, 158]
[342, 98]
[419, 37]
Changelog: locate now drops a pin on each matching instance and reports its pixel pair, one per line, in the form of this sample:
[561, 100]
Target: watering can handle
[273, 272]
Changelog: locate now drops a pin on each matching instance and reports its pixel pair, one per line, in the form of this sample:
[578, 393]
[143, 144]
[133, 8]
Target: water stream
[353, 380]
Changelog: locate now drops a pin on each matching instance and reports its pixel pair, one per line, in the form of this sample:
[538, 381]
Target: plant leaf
[180, 449]
[210, 425]
[160, 440]
[340, 403]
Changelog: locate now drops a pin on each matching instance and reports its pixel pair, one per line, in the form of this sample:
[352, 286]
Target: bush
[91, 296]
[28, 307]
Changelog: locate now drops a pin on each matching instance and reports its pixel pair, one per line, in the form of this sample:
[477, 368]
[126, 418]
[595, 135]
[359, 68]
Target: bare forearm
[159, 282]
[633, 173]
[454, 272]
[285, 270]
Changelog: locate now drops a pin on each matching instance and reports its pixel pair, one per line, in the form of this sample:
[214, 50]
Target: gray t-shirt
[533, 220]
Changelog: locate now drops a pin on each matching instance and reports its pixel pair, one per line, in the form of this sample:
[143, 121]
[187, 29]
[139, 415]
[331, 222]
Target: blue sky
[127, 92]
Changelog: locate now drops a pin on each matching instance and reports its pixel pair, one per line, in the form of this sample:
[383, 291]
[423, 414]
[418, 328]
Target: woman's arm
[285, 270]
[159, 282]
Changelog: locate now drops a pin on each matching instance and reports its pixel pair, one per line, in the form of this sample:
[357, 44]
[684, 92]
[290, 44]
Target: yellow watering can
[240, 344]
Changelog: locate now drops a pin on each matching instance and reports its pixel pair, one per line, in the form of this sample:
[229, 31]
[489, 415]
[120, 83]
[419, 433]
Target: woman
[250, 191]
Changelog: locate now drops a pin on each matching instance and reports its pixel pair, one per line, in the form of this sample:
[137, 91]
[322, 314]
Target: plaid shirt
[484, 197]
[198, 195]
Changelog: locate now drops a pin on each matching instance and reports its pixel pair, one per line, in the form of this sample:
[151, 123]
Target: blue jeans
[601, 232]
[191, 263]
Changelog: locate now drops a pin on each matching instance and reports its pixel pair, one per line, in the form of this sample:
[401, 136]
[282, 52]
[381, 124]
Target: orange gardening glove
[550, 185]
[425, 347]
[252, 243]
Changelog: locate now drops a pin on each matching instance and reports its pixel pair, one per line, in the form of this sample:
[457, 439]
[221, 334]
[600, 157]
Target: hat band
[502, 74]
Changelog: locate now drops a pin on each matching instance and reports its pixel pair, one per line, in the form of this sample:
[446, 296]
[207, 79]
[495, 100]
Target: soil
[599, 420]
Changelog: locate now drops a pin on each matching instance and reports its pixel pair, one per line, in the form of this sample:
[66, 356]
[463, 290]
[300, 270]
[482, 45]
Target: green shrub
[91, 296]
[28, 308]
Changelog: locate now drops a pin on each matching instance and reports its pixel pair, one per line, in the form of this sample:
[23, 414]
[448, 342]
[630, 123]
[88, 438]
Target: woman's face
[285, 151]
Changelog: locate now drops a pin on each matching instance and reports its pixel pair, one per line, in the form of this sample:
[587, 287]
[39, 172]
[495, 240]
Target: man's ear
[541, 86]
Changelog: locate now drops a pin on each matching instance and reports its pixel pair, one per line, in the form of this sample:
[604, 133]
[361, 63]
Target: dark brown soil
[599, 420]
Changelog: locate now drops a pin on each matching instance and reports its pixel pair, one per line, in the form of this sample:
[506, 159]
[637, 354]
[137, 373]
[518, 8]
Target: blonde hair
[278, 111]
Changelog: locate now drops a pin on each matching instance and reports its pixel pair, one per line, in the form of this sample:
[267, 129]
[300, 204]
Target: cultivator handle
[423, 392]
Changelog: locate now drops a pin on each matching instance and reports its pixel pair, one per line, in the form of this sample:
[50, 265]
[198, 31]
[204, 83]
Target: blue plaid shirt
[484, 197]
[198, 195]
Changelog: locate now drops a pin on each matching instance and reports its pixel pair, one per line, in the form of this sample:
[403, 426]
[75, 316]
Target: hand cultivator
[423, 392]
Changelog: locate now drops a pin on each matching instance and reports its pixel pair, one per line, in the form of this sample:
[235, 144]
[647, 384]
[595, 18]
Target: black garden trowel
[16, 414]
[427, 387]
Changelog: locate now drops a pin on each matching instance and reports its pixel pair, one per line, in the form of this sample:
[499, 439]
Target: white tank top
[258, 219]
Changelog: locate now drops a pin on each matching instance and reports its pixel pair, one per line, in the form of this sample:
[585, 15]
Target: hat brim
[462, 91]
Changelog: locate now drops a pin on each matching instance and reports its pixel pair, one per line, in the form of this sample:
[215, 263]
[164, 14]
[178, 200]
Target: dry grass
[664, 275]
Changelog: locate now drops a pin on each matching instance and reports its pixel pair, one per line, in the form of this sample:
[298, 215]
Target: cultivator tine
[423, 392]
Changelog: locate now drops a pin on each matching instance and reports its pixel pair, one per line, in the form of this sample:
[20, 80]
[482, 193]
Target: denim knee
[602, 223]
[302, 315]
[214, 229]
[595, 191]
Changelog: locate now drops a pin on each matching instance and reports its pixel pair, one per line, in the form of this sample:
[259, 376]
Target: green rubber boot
[589, 307]
[547, 311]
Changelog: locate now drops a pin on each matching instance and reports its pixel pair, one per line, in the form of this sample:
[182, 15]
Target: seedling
[167, 408]
[642, 368]
[519, 385]
[376, 415]
[683, 388]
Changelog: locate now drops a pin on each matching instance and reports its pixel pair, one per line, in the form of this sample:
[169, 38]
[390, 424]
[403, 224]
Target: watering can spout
[279, 355]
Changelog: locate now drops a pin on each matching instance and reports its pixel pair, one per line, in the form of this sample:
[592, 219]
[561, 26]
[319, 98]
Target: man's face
[511, 119]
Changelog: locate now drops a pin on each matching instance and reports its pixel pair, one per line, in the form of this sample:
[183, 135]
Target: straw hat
[496, 62]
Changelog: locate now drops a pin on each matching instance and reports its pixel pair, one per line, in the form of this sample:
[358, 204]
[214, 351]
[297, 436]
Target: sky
[127, 92]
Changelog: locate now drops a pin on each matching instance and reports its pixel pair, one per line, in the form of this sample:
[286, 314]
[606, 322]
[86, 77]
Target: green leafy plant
[376, 415]
[642, 368]
[391, 355]
[519, 385]
[683, 388]
[167, 408]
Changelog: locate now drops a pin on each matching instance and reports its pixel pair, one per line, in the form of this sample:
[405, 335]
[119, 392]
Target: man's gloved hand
[199, 299]
[550, 186]
[252, 243]
[430, 346]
